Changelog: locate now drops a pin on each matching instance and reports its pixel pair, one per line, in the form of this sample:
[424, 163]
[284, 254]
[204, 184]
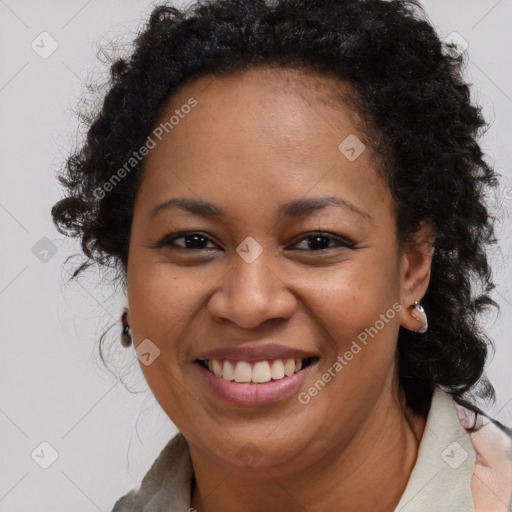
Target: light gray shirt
[454, 472]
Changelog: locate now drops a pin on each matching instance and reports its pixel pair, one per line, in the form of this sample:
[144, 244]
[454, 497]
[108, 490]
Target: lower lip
[251, 394]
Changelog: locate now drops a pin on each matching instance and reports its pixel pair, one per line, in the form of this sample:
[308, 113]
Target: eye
[319, 241]
[192, 240]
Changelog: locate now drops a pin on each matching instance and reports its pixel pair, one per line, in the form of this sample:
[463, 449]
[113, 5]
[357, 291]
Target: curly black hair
[408, 86]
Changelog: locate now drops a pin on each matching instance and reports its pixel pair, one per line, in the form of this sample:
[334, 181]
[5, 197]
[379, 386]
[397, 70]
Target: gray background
[54, 388]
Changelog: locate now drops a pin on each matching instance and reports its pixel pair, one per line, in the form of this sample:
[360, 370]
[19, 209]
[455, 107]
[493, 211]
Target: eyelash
[166, 241]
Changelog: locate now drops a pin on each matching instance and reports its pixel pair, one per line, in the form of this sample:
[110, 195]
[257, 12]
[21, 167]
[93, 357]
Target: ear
[415, 267]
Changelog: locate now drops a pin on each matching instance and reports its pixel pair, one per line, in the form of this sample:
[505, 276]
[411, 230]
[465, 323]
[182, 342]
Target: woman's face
[255, 277]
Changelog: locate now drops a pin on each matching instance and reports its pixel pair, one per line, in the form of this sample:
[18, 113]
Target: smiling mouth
[257, 372]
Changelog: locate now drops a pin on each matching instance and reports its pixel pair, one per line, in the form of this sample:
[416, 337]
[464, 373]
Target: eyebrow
[294, 208]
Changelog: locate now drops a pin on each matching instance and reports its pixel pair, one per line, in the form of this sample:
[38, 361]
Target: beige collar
[441, 477]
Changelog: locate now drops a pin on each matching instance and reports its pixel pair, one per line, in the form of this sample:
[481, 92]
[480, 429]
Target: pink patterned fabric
[491, 484]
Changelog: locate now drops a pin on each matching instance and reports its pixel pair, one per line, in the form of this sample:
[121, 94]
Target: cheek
[357, 310]
[354, 295]
[162, 302]
[161, 297]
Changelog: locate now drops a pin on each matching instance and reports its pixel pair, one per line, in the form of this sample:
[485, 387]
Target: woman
[292, 193]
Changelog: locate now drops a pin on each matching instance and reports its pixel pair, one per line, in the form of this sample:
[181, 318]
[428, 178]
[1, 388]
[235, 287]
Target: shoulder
[167, 482]
[126, 503]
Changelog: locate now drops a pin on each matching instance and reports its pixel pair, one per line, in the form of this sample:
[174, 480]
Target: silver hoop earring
[423, 316]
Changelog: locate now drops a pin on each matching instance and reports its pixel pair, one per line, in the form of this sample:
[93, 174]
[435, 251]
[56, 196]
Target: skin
[255, 140]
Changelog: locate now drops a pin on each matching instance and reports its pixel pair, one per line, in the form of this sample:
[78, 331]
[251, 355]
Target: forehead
[272, 88]
[258, 130]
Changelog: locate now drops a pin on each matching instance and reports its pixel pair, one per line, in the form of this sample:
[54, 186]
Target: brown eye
[191, 240]
[316, 241]
[319, 241]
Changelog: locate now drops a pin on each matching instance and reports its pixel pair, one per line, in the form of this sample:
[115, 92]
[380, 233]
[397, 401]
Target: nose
[252, 293]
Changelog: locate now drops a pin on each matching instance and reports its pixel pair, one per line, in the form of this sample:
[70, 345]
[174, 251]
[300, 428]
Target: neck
[379, 457]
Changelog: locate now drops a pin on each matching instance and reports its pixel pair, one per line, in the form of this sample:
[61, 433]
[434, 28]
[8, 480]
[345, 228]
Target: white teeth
[242, 372]
[277, 371]
[228, 372]
[217, 368]
[260, 372]
[289, 367]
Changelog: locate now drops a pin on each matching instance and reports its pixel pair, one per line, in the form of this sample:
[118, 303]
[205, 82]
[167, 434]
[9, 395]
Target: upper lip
[256, 353]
